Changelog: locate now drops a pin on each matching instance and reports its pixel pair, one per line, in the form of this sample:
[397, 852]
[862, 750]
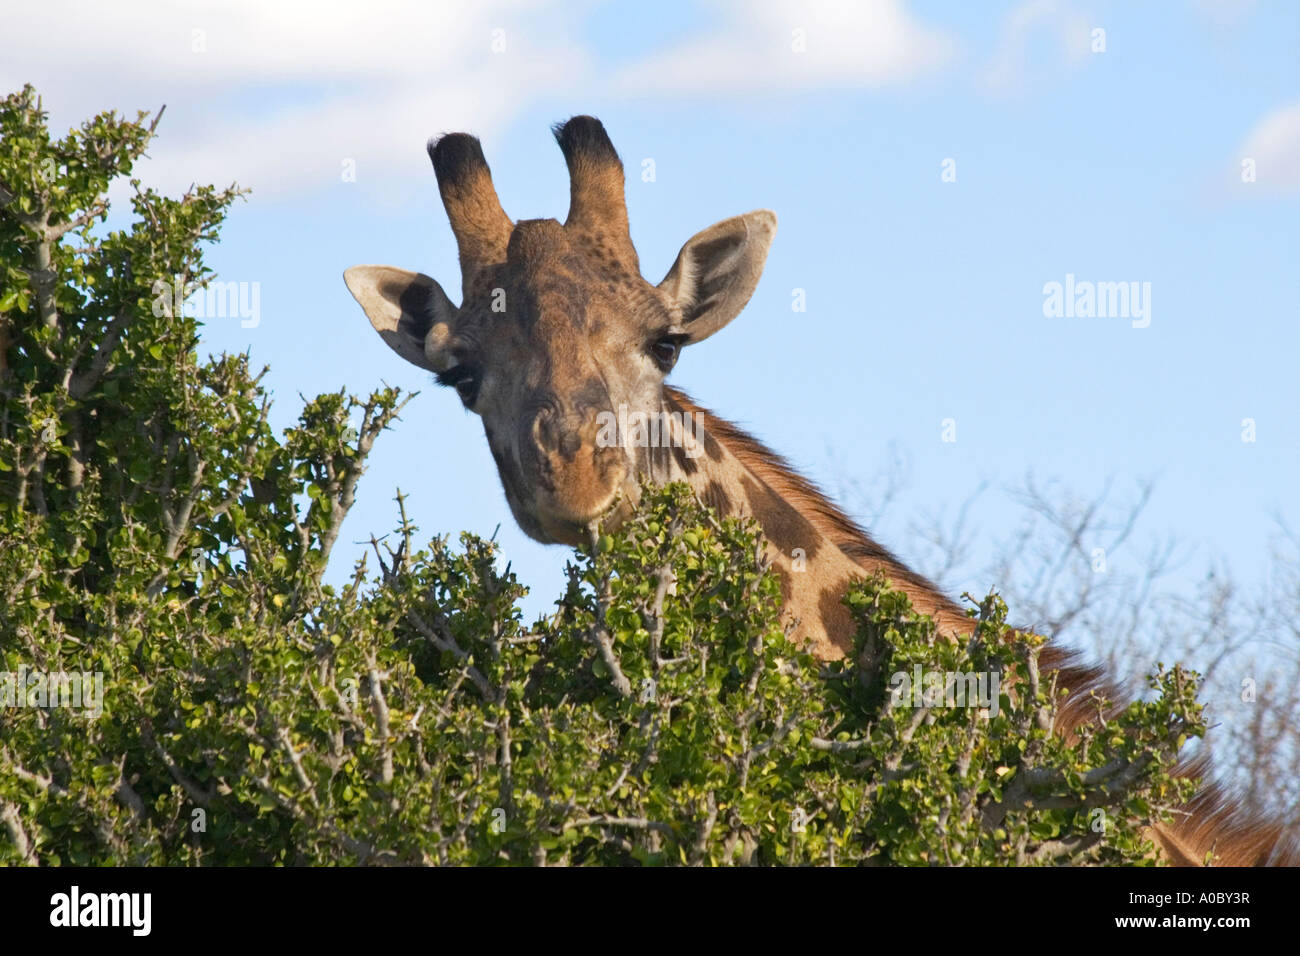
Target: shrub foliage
[155, 531]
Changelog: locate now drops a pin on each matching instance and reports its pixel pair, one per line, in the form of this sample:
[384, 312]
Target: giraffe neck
[815, 549]
[738, 476]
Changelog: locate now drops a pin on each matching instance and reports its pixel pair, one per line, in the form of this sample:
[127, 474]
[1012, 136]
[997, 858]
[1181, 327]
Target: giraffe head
[558, 333]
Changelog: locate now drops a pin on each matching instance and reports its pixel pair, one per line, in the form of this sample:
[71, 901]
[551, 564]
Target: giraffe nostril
[556, 435]
[570, 444]
[544, 431]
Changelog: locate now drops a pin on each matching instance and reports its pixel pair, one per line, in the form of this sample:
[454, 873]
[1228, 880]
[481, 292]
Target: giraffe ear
[404, 307]
[717, 270]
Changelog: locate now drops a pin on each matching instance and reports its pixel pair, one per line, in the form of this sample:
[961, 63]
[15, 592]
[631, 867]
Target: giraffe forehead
[564, 280]
[556, 300]
[549, 334]
[563, 296]
[556, 305]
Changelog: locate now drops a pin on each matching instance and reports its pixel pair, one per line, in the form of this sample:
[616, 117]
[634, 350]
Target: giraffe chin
[557, 528]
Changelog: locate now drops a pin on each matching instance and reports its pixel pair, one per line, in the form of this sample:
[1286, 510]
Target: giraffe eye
[464, 380]
[665, 350]
[467, 389]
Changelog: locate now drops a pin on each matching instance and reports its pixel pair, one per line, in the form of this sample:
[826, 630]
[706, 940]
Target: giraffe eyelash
[451, 376]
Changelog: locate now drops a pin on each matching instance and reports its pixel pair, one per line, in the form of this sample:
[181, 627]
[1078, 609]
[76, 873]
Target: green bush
[155, 531]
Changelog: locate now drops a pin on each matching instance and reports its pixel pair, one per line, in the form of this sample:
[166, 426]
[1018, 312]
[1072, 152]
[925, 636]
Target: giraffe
[558, 337]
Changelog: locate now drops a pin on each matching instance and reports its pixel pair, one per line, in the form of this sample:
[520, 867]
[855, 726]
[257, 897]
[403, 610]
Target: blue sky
[924, 297]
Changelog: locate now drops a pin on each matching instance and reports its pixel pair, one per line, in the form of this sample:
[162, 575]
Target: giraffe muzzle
[578, 481]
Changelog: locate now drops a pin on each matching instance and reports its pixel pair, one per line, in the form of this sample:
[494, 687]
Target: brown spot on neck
[793, 510]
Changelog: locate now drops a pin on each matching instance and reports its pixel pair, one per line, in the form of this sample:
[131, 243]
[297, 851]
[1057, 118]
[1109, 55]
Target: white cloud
[1227, 11]
[845, 43]
[277, 95]
[1068, 42]
[1274, 146]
